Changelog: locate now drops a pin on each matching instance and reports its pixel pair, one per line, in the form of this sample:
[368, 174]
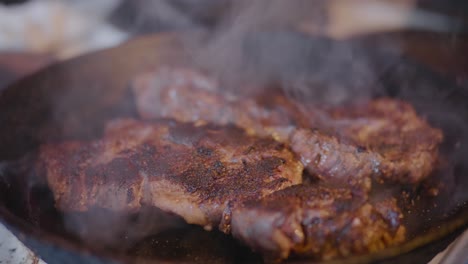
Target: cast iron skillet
[73, 99]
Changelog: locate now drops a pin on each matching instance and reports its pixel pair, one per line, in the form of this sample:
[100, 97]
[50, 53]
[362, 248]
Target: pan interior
[29, 199]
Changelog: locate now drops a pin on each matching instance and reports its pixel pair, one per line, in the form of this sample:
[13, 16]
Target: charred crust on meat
[204, 151]
[314, 221]
[208, 165]
[360, 149]
[118, 171]
[130, 195]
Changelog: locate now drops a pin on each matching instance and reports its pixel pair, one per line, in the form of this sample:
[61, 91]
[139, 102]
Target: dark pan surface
[73, 99]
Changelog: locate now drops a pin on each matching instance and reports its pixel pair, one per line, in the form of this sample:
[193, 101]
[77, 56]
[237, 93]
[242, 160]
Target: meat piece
[407, 145]
[189, 96]
[334, 162]
[181, 94]
[272, 113]
[383, 138]
[194, 171]
[317, 222]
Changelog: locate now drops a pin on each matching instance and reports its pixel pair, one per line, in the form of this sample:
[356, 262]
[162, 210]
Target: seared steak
[317, 222]
[194, 171]
[188, 96]
[336, 163]
[182, 94]
[406, 144]
[383, 139]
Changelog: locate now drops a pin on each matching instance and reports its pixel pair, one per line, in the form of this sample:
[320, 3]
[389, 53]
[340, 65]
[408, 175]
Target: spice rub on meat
[181, 94]
[406, 144]
[317, 222]
[194, 171]
[384, 139]
[189, 96]
[334, 162]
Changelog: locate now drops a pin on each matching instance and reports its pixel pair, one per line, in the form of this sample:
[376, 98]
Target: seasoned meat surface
[406, 144]
[384, 139]
[195, 171]
[335, 162]
[188, 96]
[181, 94]
[317, 222]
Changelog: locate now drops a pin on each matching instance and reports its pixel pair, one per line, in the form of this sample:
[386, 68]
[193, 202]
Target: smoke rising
[443, 104]
[104, 229]
[256, 45]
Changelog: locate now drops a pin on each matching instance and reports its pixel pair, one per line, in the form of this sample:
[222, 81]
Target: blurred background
[37, 32]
